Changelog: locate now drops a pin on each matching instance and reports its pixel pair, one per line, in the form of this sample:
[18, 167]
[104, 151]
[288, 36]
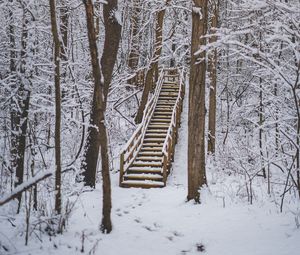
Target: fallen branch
[25, 186]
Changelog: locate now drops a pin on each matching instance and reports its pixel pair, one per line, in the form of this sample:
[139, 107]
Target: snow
[159, 221]
[198, 11]
[26, 184]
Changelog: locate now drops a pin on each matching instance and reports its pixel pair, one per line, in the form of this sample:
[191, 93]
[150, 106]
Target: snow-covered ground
[160, 221]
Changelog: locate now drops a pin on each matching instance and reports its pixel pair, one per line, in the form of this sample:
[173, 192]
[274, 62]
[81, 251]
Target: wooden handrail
[171, 138]
[129, 153]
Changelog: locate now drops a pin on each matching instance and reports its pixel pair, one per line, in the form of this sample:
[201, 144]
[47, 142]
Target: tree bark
[108, 60]
[213, 82]
[21, 108]
[111, 43]
[98, 137]
[57, 52]
[196, 118]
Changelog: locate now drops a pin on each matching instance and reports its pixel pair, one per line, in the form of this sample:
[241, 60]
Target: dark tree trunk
[213, 82]
[196, 118]
[108, 60]
[111, 43]
[57, 48]
[98, 137]
[21, 108]
[63, 24]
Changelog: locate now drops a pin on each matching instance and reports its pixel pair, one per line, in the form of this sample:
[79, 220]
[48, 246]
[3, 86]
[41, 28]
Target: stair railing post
[165, 169]
[169, 153]
[173, 143]
[121, 168]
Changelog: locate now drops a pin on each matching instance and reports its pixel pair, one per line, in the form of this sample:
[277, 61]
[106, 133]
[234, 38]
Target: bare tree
[213, 80]
[20, 106]
[57, 52]
[97, 137]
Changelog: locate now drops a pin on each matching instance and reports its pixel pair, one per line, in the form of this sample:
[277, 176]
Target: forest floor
[160, 221]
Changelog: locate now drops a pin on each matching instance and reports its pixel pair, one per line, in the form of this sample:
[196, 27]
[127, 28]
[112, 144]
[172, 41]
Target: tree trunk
[108, 60]
[63, 25]
[196, 118]
[20, 113]
[152, 73]
[97, 138]
[213, 83]
[111, 43]
[57, 48]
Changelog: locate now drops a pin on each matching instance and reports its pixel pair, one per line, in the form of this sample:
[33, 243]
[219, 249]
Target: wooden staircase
[146, 160]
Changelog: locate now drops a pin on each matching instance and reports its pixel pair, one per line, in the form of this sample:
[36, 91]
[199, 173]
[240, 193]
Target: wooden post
[173, 142]
[121, 167]
[165, 170]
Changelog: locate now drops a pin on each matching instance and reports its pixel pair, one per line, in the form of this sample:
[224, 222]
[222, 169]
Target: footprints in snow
[137, 202]
[173, 235]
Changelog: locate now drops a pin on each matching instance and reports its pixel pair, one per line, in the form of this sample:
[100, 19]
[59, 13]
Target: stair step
[168, 84]
[156, 131]
[165, 109]
[150, 153]
[168, 94]
[161, 102]
[158, 121]
[173, 82]
[158, 126]
[162, 114]
[154, 140]
[167, 97]
[172, 95]
[166, 100]
[142, 184]
[148, 158]
[169, 103]
[151, 149]
[155, 145]
[167, 89]
[149, 170]
[146, 163]
[155, 177]
[155, 135]
[162, 117]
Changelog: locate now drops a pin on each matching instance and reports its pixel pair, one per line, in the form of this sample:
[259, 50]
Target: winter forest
[150, 127]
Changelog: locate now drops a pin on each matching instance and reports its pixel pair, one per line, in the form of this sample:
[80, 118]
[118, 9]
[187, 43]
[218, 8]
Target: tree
[196, 114]
[213, 80]
[57, 55]
[20, 106]
[110, 51]
[97, 137]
